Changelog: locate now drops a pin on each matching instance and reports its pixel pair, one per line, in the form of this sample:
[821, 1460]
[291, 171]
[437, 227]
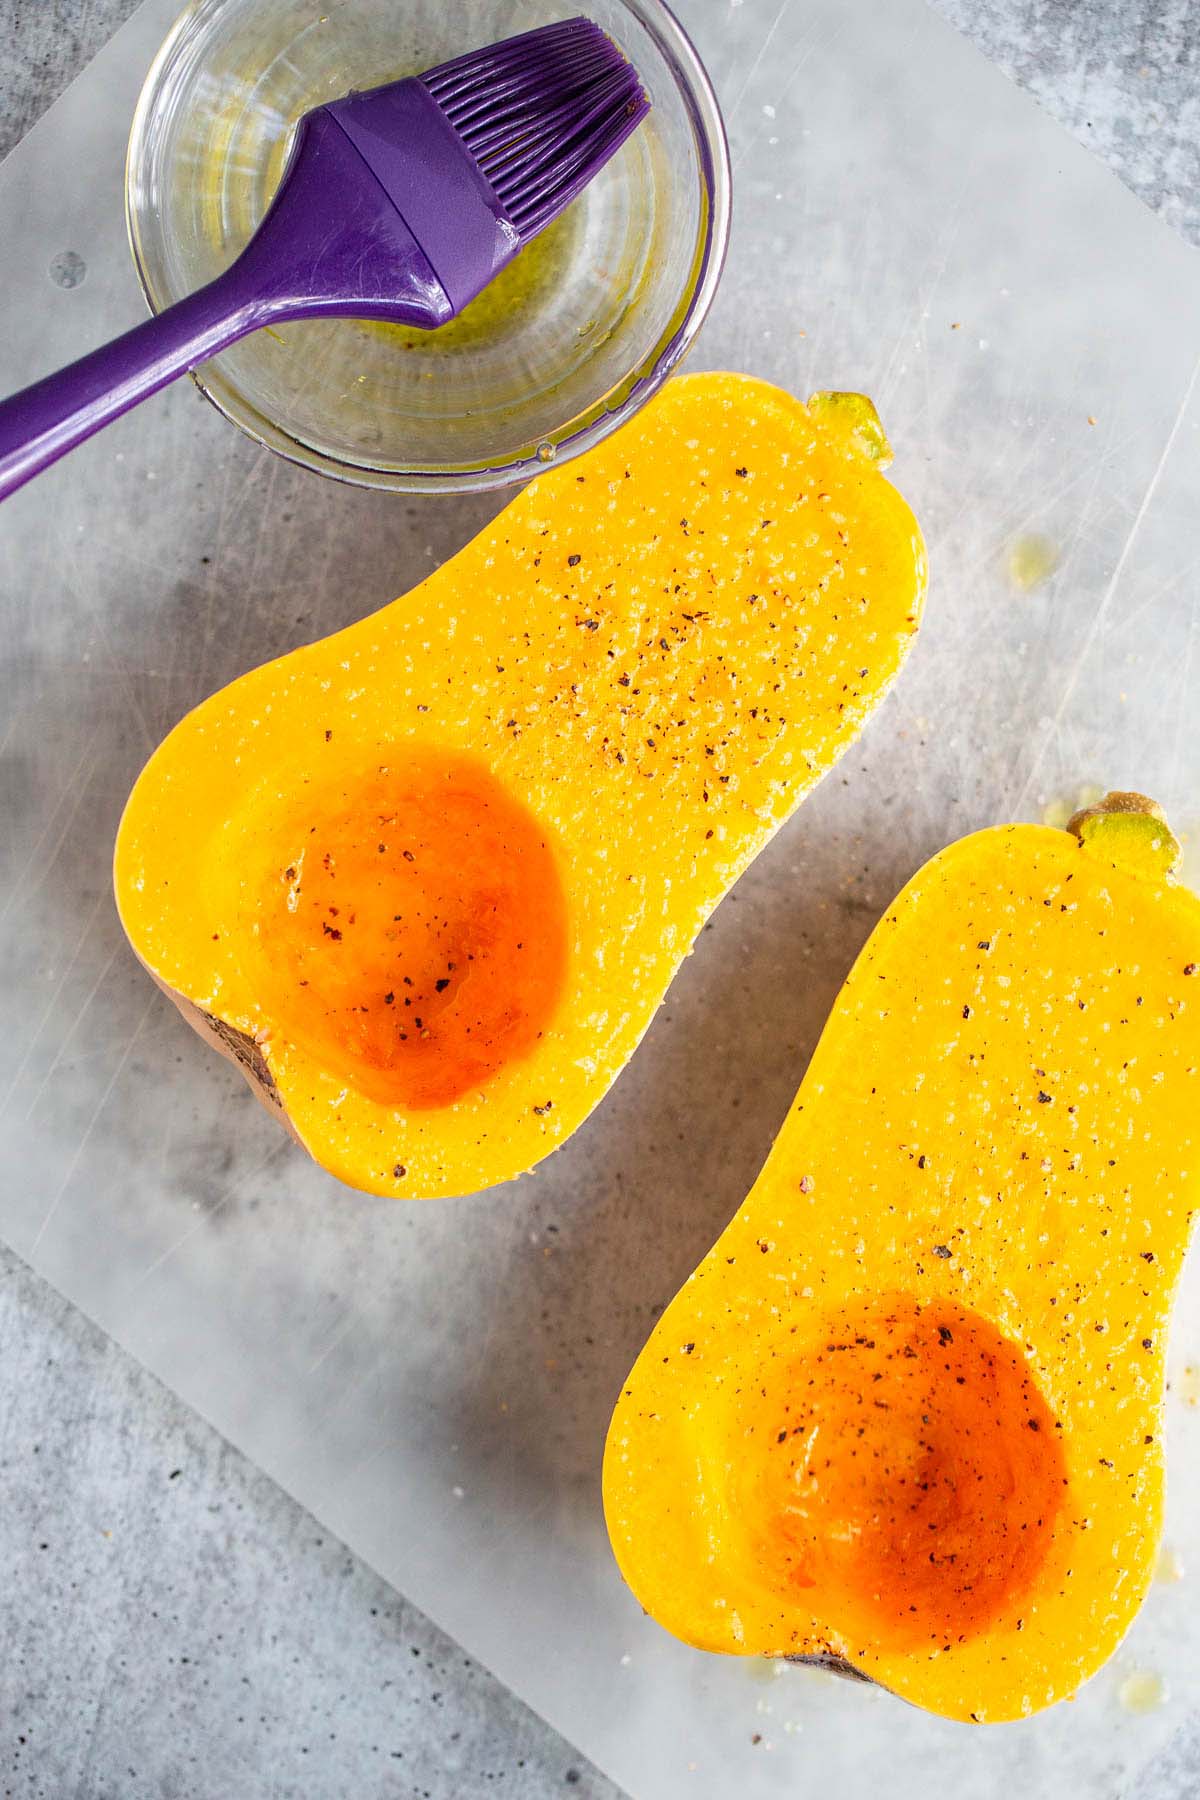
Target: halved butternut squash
[428, 879]
[906, 1414]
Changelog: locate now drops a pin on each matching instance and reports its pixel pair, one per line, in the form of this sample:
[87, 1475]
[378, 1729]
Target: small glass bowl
[570, 340]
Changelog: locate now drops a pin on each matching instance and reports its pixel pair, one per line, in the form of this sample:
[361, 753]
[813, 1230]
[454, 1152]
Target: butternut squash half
[905, 1416]
[427, 880]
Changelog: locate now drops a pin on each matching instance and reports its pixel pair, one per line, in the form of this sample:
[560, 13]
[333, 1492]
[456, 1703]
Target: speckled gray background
[173, 1624]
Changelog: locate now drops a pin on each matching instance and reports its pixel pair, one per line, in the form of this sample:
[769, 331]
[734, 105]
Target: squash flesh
[1002, 1118]
[413, 942]
[653, 653]
[906, 1471]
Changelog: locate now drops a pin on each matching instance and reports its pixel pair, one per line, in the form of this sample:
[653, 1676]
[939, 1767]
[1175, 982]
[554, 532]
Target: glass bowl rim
[576, 434]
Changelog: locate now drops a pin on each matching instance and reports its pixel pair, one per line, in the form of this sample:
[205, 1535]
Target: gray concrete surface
[1122, 75]
[173, 1624]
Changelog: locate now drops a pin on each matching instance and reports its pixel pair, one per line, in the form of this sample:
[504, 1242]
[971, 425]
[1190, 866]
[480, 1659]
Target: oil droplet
[1032, 559]
[68, 269]
[1168, 1568]
[546, 453]
[1143, 1692]
[1187, 1385]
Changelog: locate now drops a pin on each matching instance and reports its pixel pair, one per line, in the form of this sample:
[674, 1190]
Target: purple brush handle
[332, 244]
[41, 423]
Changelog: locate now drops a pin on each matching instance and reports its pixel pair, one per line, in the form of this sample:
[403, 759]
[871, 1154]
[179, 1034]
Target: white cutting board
[434, 1382]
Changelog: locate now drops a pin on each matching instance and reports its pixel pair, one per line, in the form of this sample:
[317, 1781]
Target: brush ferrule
[433, 182]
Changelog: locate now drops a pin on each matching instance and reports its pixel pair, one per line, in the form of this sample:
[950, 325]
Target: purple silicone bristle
[540, 114]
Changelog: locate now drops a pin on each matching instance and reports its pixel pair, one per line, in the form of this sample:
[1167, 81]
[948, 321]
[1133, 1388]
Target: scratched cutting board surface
[434, 1382]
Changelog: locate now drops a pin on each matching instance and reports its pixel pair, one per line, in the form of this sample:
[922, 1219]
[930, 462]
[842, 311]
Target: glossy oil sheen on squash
[428, 879]
[906, 1414]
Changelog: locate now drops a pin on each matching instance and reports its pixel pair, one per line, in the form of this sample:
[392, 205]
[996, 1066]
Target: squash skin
[657, 650]
[1003, 1115]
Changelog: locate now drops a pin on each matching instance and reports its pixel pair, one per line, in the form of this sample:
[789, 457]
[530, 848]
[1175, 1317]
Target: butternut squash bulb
[906, 1414]
[427, 880]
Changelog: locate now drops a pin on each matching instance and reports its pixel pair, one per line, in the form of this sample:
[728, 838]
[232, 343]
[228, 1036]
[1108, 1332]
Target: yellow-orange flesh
[412, 935]
[904, 1472]
[907, 1411]
[441, 867]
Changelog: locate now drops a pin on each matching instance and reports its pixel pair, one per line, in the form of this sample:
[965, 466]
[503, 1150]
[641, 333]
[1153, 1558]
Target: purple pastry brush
[399, 204]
